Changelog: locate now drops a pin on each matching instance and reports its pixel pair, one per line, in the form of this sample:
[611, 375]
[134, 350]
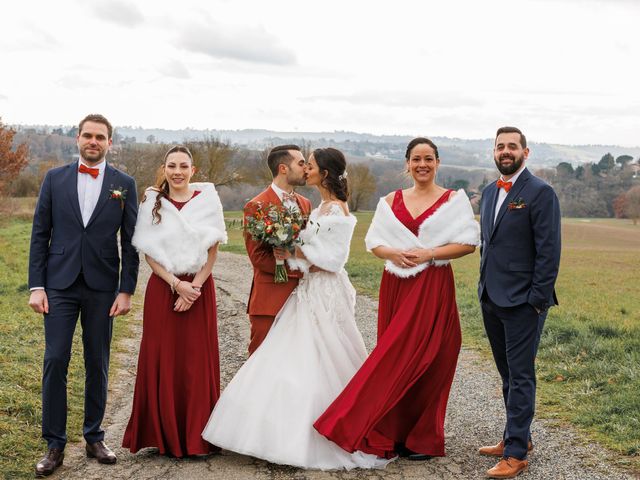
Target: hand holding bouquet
[277, 226]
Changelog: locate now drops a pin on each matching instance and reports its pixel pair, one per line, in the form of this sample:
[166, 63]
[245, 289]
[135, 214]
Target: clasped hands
[188, 293]
[410, 258]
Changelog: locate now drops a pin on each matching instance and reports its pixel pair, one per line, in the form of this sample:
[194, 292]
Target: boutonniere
[118, 194]
[517, 204]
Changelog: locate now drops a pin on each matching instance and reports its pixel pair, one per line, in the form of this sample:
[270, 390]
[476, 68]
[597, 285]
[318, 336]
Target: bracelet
[433, 256]
[174, 284]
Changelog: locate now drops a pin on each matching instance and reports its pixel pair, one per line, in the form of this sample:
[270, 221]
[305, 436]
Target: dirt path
[475, 416]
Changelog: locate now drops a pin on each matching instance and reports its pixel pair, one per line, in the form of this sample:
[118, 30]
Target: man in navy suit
[75, 269]
[520, 257]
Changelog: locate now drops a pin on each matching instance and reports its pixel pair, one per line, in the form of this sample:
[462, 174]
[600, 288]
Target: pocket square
[517, 204]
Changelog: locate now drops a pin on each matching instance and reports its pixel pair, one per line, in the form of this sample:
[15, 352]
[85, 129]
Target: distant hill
[467, 153]
[453, 151]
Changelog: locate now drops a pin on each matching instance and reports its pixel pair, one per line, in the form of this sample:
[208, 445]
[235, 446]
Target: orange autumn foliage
[12, 161]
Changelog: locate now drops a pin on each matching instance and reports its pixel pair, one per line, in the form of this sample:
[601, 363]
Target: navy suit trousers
[59, 324]
[514, 335]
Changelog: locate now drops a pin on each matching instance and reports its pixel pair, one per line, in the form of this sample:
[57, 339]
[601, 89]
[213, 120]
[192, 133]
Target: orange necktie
[505, 185]
[94, 172]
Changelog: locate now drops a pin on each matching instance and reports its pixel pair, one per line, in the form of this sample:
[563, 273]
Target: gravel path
[475, 416]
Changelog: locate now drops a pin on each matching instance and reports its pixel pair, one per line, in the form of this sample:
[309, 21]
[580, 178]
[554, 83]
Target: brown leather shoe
[508, 468]
[498, 450]
[52, 460]
[101, 452]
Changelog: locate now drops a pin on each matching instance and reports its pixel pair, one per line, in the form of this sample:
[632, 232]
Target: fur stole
[325, 242]
[180, 242]
[452, 222]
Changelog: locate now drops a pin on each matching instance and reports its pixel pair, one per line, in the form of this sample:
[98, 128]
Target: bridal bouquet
[277, 226]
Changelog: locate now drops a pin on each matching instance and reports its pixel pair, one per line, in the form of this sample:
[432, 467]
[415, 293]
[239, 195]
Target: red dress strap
[397, 199]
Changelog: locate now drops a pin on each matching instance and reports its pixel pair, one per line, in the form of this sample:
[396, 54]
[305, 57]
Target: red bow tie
[289, 196]
[94, 172]
[506, 185]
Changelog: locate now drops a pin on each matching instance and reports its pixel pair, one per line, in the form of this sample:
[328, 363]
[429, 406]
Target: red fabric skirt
[400, 394]
[178, 379]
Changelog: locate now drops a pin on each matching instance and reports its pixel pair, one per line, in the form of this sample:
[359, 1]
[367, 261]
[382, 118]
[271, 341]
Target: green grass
[233, 219]
[589, 358]
[21, 353]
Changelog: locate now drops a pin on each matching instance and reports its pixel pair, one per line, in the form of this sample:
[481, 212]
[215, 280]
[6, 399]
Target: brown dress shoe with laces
[509, 467]
[52, 460]
[101, 452]
[498, 450]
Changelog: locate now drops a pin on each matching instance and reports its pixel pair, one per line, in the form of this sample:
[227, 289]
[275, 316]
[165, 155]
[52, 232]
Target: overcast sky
[565, 71]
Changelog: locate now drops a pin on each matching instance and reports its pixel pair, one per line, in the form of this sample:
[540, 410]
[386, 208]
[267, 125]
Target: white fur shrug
[180, 242]
[325, 242]
[452, 222]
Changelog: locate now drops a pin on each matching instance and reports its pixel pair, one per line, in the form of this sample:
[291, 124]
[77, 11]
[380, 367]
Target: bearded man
[520, 257]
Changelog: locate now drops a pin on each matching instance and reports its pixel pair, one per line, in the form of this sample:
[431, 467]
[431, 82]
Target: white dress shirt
[502, 193]
[89, 190]
[291, 204]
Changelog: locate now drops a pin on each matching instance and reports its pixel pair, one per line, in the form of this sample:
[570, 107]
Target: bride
[311, 352]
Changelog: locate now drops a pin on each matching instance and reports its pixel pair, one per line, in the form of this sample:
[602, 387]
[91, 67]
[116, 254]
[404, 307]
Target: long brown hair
[162, 186]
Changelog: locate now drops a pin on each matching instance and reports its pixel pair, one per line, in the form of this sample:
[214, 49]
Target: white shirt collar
[280, 192]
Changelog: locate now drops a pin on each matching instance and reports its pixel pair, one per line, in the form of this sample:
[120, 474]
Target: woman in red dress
[396, 402]
[178, 382]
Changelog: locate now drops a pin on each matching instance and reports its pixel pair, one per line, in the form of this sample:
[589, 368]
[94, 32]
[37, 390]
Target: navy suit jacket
[62, 247]
[520, 251]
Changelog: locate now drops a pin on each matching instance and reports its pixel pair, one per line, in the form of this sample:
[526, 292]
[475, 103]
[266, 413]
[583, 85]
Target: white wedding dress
[311, 352]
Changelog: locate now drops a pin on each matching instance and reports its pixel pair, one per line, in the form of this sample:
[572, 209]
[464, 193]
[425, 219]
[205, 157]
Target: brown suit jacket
[267, 297]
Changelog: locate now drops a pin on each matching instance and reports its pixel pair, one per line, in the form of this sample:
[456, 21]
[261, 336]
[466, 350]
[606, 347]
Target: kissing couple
[305, 345]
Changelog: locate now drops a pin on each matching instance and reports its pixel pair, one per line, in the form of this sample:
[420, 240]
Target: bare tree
[632, 206]
[255, 170]
[306, 148]
[141, 161]
[362, 185]
[216, 161]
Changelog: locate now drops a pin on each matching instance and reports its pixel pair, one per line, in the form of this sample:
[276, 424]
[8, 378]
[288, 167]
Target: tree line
[608, 188]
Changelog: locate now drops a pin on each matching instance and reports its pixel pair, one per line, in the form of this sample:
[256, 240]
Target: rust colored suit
[266, 297]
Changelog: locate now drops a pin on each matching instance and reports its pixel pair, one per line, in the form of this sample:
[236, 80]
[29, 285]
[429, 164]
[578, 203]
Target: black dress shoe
[419, 457]
[101, 452]
[52, 460]
[401, 450]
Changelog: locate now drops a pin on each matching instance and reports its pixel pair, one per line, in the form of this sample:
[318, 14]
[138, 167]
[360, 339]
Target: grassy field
[589, 359]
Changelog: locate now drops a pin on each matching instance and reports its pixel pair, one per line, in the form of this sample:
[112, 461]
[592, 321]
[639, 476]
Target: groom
[520, 257]
[286, 164]
[75, 269]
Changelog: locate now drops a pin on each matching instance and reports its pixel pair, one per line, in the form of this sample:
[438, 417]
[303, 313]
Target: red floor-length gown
[399, 395]
[178, 379]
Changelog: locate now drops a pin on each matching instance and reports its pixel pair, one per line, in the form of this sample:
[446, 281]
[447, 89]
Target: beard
[511, 168]
[297, 181]
[93, 157]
